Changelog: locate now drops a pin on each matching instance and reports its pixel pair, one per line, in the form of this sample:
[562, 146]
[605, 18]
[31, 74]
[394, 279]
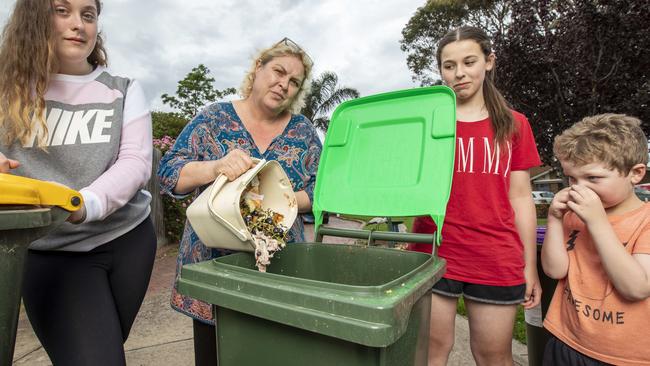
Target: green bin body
[319, 304]
[19, 226]
[536, 335]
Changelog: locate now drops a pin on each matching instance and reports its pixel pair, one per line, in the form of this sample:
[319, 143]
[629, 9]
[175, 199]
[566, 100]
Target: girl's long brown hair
[503, 122]
[27, 59]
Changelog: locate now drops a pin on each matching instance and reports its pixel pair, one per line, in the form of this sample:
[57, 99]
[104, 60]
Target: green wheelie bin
[29, 209]
[319, 304]
[333, 304]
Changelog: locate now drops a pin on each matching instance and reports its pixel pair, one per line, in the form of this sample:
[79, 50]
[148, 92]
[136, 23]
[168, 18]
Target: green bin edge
[19, 226]
[374, 316]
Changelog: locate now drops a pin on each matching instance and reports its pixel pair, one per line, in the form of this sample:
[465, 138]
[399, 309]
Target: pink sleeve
[131, 171]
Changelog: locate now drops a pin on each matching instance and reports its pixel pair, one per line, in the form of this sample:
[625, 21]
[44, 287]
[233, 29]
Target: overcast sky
[159, 41]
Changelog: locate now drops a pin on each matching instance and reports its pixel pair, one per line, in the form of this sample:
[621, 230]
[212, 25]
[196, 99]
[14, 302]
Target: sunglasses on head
[291, 44]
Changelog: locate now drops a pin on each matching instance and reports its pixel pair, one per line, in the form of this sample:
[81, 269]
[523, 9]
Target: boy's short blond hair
[615, 140]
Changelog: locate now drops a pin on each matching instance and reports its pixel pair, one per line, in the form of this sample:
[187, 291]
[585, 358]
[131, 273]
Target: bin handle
[375, 235]
[372, 235]
[214, 189]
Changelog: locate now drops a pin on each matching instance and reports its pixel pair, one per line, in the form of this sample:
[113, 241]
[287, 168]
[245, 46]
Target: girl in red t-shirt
[489, 231]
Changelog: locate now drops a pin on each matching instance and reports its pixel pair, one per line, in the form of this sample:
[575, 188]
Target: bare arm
[525, 220]
[195, 174]
[630, 274]
[555, 259]
[304, 203]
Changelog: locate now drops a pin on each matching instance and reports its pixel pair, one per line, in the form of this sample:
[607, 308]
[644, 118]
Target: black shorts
[558, 353]
[500, 295]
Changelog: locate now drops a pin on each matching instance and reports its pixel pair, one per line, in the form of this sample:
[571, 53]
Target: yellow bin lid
[17, 190]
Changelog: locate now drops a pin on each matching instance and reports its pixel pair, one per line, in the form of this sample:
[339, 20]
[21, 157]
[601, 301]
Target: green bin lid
[389, 154]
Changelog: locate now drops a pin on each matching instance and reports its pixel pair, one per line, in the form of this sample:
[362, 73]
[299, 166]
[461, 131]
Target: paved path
[161, 336]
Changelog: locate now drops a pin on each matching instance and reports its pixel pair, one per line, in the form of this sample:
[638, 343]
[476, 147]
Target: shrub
[542, 210]
[167, 124]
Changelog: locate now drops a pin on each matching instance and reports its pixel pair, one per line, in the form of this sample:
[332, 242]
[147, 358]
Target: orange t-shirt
[587, 312]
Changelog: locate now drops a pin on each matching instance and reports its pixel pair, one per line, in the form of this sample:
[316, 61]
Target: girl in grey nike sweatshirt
[65, 117]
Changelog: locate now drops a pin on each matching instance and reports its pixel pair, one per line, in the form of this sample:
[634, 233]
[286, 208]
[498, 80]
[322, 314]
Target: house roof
[544, 172]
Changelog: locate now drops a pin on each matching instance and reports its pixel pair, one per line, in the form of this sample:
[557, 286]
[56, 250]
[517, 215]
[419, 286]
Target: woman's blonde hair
[281, 49]
[27, 59]
[615, 140]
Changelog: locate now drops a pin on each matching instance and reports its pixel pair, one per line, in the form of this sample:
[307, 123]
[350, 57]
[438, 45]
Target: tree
[437, 17]
[194, 92]
[563, 60]
[324, 96]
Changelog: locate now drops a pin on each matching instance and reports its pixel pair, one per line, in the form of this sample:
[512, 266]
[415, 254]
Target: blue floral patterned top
[211, 135]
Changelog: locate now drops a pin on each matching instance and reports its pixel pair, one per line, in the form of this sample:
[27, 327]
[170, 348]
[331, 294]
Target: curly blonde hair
[280, 49]
[27, 59]
[616, 140]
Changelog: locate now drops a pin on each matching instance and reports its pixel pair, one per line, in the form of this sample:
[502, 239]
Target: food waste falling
[265, 225]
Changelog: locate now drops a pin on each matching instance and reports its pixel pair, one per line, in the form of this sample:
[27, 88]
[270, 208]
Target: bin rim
[360, 289]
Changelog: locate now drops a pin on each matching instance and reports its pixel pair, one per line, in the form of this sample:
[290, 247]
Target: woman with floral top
[222, 139]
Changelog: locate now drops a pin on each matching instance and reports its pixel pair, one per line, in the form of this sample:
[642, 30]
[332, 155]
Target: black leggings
[82, 304]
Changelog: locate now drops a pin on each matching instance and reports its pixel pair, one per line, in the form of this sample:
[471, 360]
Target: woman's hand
[234, 164]
[7, 164]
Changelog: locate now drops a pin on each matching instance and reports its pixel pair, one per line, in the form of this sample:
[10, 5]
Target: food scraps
[265, 226]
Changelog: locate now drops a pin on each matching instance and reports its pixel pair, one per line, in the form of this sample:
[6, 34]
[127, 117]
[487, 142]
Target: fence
[156, 201]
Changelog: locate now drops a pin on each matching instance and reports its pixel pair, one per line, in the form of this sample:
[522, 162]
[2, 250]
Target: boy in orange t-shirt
[597, 245]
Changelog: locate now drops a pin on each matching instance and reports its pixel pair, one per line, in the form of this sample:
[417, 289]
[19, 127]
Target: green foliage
[582, 57]
[194, 92]
[174, 216]
[519, 333]
[325, 95]
[433, 20]
[541, 210]
[167, 124]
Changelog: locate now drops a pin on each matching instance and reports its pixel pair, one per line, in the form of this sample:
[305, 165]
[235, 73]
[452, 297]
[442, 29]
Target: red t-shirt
[479, 238]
